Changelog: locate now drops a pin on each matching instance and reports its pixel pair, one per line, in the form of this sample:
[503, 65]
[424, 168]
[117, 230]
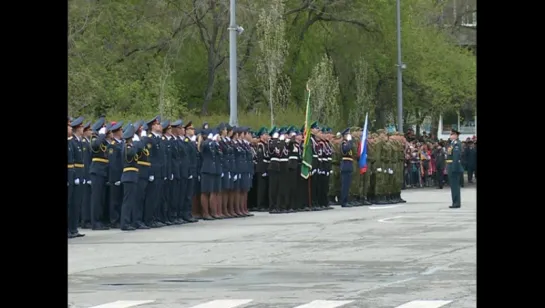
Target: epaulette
[70, 138]
[113, 142]
[93, 138]
[186, 139]
[150, 135]
[84, 140]
[163, 138]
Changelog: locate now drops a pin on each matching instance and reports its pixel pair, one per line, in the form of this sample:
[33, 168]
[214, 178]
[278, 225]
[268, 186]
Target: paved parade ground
[420, 254]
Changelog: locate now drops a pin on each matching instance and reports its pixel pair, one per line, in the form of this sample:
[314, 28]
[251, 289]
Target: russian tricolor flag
[363, 147]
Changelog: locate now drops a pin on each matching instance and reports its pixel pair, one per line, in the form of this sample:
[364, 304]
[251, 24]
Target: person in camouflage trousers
[354, 197]
[399, 156]
[365, 179]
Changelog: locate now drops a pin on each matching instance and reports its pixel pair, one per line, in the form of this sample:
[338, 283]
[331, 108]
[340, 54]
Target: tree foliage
[138, 57]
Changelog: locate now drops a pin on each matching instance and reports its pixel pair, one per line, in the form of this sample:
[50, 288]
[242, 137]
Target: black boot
[365, 201]
[400, 199]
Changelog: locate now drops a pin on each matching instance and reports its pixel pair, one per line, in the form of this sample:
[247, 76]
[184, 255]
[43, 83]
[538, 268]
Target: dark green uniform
[455, 171]
[355, 184]
[365, 181]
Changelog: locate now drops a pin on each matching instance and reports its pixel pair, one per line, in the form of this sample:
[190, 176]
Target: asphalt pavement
[420, 254]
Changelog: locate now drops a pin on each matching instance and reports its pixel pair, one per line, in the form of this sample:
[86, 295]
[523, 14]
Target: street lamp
[400, 67]
[234, 30]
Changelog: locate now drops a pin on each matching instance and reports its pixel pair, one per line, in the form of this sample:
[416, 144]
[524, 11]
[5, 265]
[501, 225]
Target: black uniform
[77, 188]
[192, 179]
[86, 206]
[114, 178]
[274, 174]
[293, 176]
[99, 177]
[156, 179]
[262, 157]
[129, 178]
[144, 167]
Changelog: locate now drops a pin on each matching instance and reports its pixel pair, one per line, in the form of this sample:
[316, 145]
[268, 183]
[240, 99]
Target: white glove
[385, 171]
[282, 137]
[193, 138]
[229, 175]
[313, 171]
[199, 177]
[390, 171]
[165, 178]
[143, 133]
[210, 136]
[264, 174]
[215, 137]
[76, 181]
[84, 182]
[348, 137]
[117, 183]
[235, 177]
[89, 182]
[327, 173]
[151, 178]
[275, 135]
[222, 174]
[172, 177]
[379, 169]
[190, 177]
[102, 131]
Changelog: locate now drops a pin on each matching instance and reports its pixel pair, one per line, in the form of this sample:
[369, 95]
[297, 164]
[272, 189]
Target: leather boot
[400, 200]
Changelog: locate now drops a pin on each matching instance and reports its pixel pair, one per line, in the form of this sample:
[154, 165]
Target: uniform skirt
[226, 182]
[210, 183]
[246, 182]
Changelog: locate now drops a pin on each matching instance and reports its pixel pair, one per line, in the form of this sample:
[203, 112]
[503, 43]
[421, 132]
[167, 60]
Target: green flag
[306, 167]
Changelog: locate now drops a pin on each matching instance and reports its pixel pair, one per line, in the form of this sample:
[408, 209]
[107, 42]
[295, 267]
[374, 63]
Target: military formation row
[154, 173]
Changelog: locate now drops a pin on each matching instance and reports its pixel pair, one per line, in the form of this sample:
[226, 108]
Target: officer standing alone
[347, 167]
[455, 169]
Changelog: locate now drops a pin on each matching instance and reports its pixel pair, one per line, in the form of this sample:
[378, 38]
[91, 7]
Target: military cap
[346, 131]
[127, 126]
[165, 124]
[189, 125]
[221, 126]
[176, 123]
[137, 125]
[261, 132]
[87, 126]
[214, 131]
[454, 131]
[98, 124]
[77, 122]
[314, 125]
[205, 125]
[129, 131]
[156, 119]
[272, 131]
[145, 126]
[115, 126]
[282, 130]
[197, 131]
[69, 120]
[228, 127]
[205, 132]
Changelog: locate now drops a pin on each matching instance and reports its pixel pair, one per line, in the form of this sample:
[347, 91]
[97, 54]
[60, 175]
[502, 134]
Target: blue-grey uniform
[144, 166]
[180, 173]
[98, 175]
[86, 203]
[168, 175]
[129, 177]
[197, 187]
[114, 176]
[77, 182]
[154, 197]
[455, 169]
[226, 180]
[208, 165]
[346, 168]
[238, 166]
[249, 170]
[70, 176]
[193, 174]
[219, 170]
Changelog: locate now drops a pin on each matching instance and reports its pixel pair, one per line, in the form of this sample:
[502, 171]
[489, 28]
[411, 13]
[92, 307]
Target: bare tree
[274, 49]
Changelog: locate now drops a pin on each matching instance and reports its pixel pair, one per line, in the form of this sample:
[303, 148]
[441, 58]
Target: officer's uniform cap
[128, 131]
[137, 125]
[156, 119]
[314, 125]
[205, 132]
[98, 125]
[77, 122]
[165, 124]
[115, 126]
[222, 126]
[205, 125]
[346, 131]
[228, 127]
[454, 131]
[176, 123]
[189, 125]
[127, 126]
[87, 126]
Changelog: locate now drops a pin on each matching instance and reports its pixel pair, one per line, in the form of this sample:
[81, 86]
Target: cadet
[144, 166]
[302, 183]
[86, 205]
[180, 172]
[262, 198]
[335, 176]
[154, 197]
[389, 174]
[227, 164]
[99, 174]
[316, 152]
[192, 180]
[346, 167]
[294, 148]
[326, 170]
[115, 171]
[168, 176]
[208, 173]
[378, 189]
[129, 178]
[248, 170]
[273, 170]
[78, 180]
[365, 178]
[455, 169]
[355, 183]
[369, 176]
[283, 175]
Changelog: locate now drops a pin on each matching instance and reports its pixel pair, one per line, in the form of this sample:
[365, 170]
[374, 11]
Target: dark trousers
[86, 204]
[346, 181]
[153, 198]
[98, 194]
[454, 178]
[138, 210]
[164, 199]
[187, 204]
[68, 202]
[291, 183]
[440, 176]
[116, 199]
[283, 189]
[175, 191]
[470, 173]
[130, 198]
[314, 186]
[301, 189]
[324, 190]
[74, 208]
[274, 185]
[262, 198]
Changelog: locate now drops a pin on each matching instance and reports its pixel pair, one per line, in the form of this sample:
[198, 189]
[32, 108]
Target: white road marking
[123, 304]
[424, 304]
[390, 218]
[324, 304]
[224, 303]
[378, 207]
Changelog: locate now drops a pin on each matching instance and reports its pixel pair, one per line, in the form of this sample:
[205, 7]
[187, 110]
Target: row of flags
[306, 166]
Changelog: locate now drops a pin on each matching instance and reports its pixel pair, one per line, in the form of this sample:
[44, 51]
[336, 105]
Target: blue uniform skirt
[226, 183]
[210, 183]
[246, 182]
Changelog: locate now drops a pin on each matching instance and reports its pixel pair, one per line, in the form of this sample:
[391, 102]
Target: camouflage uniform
[379, 171]
[354, 186]
[365, 179]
